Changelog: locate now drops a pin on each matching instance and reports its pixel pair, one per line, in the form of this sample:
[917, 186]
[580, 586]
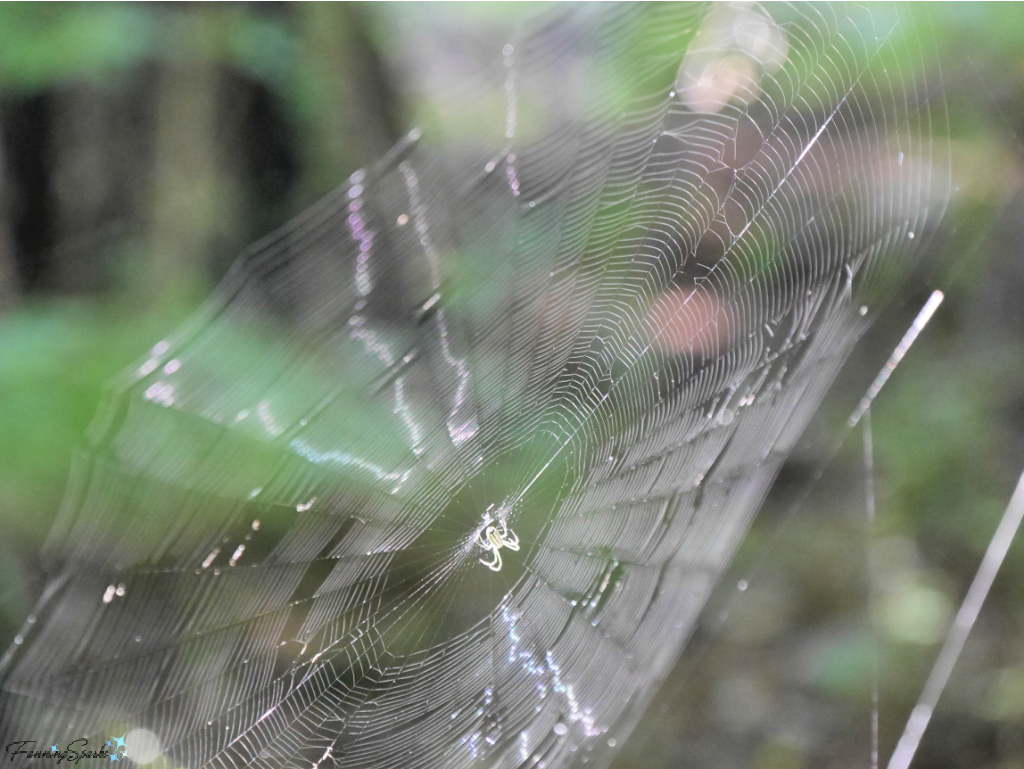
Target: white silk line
[869, 508]
[965, 619]
[897, 355]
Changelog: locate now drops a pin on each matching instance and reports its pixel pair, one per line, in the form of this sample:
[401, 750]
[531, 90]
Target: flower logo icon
[120, 750]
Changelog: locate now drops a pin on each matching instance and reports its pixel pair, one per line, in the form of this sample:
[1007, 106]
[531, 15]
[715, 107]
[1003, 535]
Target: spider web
[593, 304]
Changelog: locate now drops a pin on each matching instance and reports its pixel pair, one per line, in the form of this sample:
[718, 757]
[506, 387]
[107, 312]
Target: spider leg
[494, 565]
[508, 537]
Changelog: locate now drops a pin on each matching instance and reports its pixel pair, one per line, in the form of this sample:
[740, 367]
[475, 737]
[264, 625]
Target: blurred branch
[8, 274]
[345, 101]
[186, 207]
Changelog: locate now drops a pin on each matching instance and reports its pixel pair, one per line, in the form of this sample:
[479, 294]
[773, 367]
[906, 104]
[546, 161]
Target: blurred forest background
[142, 146]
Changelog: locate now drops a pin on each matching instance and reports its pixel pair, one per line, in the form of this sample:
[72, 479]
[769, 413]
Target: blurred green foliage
[41, 45]
[61, 340]
[948, 427]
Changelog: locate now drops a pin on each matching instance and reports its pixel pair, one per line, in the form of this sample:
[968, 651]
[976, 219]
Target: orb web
[592, 304]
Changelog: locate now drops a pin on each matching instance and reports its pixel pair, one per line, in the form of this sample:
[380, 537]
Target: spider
[493, 540]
